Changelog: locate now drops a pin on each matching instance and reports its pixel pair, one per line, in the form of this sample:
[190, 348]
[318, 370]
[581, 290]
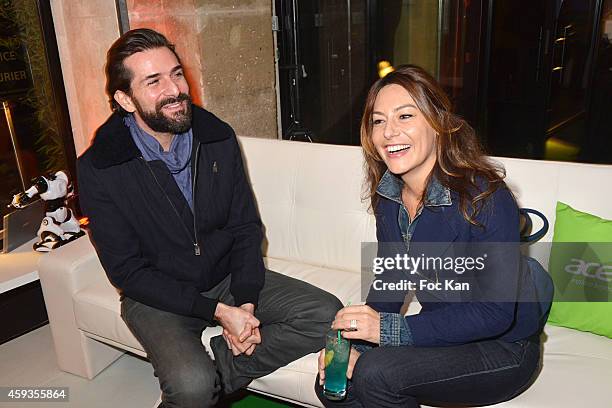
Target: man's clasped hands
[240, 327]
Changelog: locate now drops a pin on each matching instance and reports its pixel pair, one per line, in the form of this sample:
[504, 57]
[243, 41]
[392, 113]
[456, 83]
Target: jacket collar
[390, 186]
[114, 145]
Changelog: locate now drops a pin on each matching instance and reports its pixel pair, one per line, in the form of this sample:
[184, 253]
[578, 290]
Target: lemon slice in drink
[329, 356]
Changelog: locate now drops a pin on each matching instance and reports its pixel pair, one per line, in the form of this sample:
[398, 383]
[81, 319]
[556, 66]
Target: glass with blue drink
[337, 351]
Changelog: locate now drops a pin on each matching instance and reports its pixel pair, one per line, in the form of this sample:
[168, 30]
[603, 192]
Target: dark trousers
[481, 373]
[294, 317]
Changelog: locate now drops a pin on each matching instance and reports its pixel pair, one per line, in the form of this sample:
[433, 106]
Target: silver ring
[353, 324]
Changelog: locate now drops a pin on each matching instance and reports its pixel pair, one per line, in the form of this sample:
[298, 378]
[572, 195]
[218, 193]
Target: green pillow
[582, 272]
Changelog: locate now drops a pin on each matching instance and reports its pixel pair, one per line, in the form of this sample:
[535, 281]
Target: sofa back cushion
[309, 198]
[540, 184]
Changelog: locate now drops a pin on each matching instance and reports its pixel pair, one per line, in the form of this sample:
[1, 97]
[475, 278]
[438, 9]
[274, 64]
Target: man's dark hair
[118, 76]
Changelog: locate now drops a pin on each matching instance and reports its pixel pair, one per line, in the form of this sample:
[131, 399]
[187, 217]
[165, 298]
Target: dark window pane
[29, 92]
[533, 77]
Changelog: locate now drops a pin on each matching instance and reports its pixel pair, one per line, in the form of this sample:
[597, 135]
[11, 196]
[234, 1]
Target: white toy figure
[59, 225]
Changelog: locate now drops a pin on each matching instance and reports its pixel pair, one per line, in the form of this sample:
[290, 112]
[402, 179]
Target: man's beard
[180, 122]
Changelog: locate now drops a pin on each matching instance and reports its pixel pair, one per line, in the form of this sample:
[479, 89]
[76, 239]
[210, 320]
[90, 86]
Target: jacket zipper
[196, 245]
[194, 240]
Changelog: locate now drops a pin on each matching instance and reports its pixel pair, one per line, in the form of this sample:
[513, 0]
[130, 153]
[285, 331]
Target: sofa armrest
[71, 267]
[63, 272]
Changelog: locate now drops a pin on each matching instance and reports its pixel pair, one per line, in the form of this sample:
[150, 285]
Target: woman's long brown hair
[460, 159]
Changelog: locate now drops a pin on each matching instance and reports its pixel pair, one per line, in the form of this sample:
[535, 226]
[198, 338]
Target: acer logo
[590, 269]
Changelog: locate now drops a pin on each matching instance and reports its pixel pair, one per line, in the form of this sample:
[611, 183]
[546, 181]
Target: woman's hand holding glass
[354, 322]
[349, 371]
[358, 323]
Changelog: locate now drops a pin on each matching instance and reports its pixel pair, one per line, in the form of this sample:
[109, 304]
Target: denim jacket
[440, 220]
[393, 328]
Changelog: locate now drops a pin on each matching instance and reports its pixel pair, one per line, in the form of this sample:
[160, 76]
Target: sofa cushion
[345, 285]
[309, 199]
[97, 310]
[576, 371]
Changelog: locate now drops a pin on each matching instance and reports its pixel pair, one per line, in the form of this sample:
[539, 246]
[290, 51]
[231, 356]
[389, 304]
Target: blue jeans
[480, 373]
[294, 317]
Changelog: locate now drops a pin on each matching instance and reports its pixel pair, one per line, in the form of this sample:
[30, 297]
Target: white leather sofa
[309, 197]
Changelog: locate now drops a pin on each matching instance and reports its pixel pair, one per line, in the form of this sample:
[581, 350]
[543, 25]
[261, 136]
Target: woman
[429, 181]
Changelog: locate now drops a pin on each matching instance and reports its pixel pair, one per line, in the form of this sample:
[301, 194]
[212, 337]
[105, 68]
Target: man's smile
[174, 107]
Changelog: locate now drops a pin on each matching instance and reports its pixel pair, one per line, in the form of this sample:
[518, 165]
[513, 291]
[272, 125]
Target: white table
[19, 267]
[21, 298]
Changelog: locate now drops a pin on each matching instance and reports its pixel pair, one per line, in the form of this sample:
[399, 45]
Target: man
[176, 228]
